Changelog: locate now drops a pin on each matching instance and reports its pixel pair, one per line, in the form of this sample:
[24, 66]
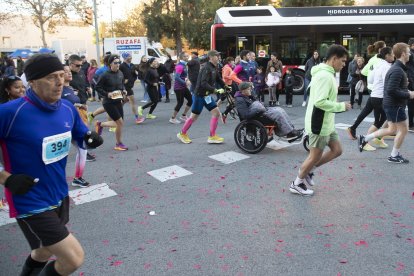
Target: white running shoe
[175, 121]
[300, 189]
[304, 104]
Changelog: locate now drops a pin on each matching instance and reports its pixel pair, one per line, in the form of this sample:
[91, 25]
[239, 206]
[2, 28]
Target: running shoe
[120, 147]
[112, 129]
[98, 127]
[184, 138]
[361, 142]
[90, 118]
[411, 129]
[351, 133]
[309, 179]
[368, 147]
[300, 189]
[174, 121]
[380, 143]
[150, 116]
[215, 139]
[398, 159]
[277, 103]
[304, 104]
[90, 157]
[183, 118]
[223, 118]
[139, 120]
[140, 110]
[80, 182]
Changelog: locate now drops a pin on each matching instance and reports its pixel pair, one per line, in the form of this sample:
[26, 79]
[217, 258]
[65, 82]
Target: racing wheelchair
[252, 136]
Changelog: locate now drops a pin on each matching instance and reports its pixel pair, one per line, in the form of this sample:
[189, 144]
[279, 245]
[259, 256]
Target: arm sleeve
[323, 102]
[179, 69]
[367, 67]
[100, 86]
[79, 129]
[205, 77]
[233, 75]
[393, 86]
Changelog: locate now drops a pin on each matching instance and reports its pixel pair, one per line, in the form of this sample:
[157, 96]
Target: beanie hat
[126, 55]
[41, 65]
[244, 85]
[112, 58]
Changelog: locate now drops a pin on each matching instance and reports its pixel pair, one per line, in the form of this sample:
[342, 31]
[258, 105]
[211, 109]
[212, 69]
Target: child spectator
[259, 84]
[273, 79]
[289, 79]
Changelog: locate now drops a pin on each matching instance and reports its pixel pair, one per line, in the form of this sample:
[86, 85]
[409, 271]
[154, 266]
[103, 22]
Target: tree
[46, 14]
[163, 18]
[133, 25]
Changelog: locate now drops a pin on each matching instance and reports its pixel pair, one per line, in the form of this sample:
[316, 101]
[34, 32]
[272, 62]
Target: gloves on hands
[19, 184]
[220, 91]
[93, 139]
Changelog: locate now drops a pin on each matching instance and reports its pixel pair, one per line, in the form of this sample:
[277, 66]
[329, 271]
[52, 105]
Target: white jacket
[273, 78]
[377, 78]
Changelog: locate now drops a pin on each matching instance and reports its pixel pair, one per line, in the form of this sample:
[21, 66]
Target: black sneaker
[300, 189]
[361, 142]
[80, 182]
[296, 133]
[351, 133]
[398, 159]
[90, 157]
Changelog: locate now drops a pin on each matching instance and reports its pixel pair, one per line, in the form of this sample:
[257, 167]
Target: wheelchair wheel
[306, 142]
[250, 136]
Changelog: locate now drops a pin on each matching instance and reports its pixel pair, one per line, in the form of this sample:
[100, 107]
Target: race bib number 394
[56, 147]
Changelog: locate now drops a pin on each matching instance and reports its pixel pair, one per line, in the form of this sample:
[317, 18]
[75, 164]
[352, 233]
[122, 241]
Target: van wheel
[299, 84]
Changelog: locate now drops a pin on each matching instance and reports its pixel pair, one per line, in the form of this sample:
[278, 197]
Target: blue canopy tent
[23, 53]
[46, 51]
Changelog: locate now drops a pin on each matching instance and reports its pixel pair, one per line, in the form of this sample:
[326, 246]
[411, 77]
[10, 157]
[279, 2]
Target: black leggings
[364, 113]
[410, 105]
[154, 97]
[379, 113]
[181, 94]
[352, 92]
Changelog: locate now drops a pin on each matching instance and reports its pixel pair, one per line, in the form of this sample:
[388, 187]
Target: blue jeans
[306, 92]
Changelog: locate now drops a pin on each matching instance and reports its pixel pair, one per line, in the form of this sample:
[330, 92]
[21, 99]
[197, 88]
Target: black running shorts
[47, 228]
[115, 110]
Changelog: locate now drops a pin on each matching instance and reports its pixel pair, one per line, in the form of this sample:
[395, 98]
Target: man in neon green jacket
[320, 118]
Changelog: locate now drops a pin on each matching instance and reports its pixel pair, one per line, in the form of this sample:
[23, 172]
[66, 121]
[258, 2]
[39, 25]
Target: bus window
[244, 43]
[324, 41]
[367, 39]
[262, 46]
[152, 53]
[227, 46]
[294, 49]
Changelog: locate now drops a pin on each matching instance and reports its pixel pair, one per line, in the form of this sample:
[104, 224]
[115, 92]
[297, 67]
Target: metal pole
[95, 15]
[112, 22]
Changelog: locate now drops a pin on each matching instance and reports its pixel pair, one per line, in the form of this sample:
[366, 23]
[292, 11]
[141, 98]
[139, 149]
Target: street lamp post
[98, 53]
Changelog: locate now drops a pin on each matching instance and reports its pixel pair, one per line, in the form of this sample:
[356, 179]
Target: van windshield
[161, 51]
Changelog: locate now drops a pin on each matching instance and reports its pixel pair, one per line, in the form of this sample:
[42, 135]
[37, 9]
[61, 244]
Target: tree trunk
[42, 29]
[177, 34]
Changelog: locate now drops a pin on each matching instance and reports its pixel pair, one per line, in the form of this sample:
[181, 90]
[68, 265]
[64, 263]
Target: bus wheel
[299, 84]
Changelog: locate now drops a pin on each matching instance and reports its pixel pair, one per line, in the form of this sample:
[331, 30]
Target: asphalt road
[238, 218]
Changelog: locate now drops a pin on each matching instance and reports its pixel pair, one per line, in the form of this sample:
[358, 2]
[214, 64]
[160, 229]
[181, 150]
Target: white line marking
[229, 157]
[91, 193]
[342, 126]
[169, 173]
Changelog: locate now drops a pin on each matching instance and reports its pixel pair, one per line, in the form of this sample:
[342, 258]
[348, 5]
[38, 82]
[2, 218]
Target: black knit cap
[112, 58]
[151, 60]
[41, 65]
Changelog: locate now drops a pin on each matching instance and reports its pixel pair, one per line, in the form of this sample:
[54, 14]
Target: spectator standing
[20, 66]
[85, 65]
[289, 81]
[314, 60]
[253, 65]
[259, 82]
[90, 78]
[273, 79]
[9, 69]
[356, 76]
[11, 88]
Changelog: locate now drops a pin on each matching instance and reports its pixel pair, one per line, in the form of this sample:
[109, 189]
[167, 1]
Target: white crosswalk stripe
[229, 157]
[169, 173]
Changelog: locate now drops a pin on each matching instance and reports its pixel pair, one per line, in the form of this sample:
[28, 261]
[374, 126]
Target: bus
[294, 33]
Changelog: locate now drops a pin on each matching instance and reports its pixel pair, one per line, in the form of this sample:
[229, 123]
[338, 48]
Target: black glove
[93, 139]
[19, 184]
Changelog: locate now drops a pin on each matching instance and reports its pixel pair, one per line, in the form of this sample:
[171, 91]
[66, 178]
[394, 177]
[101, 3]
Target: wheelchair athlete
[250, 108]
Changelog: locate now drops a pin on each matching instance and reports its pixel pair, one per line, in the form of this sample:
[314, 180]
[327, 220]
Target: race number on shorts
[56, 147]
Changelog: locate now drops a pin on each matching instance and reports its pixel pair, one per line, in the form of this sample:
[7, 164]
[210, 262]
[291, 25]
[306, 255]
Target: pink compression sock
[213, 126]
[187, 125]
[80, 162]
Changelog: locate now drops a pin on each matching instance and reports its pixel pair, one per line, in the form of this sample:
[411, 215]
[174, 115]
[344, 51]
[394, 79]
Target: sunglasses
[116, 62]
[77, 65]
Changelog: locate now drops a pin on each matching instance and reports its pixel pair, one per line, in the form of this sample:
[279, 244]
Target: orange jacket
[226, 72]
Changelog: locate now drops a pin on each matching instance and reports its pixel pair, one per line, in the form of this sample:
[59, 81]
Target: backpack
[360, 86]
